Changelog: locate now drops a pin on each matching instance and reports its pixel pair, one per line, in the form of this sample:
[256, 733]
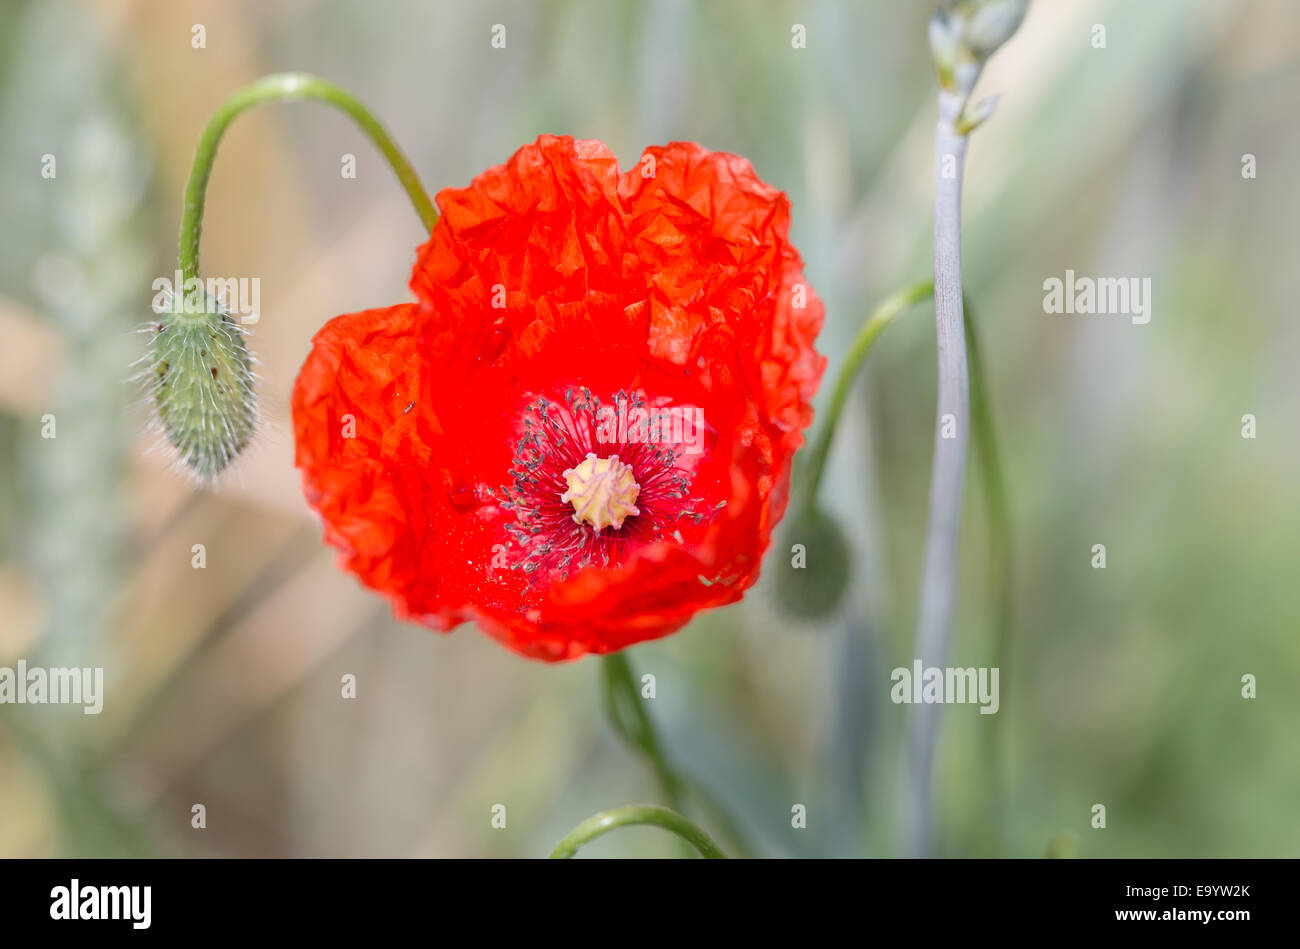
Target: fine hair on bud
[200, 381]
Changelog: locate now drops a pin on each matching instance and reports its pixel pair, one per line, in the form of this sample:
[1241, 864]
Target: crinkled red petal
[551, 272]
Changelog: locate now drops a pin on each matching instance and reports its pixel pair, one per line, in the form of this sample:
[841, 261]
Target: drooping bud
[813, 571]
[200, 379]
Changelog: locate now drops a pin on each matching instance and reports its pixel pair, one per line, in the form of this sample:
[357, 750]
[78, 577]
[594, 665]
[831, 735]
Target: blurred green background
[1122, 686]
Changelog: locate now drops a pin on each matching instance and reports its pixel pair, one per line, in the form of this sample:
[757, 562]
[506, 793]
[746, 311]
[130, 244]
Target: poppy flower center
[589, 488]
[603, 491]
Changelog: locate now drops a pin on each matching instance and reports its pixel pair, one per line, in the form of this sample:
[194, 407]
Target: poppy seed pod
[200, 380]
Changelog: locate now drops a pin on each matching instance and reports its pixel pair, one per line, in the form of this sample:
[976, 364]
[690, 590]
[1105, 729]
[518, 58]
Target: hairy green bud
[200, 380]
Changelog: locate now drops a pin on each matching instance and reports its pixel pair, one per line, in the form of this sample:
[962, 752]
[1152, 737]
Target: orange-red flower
[581, 434]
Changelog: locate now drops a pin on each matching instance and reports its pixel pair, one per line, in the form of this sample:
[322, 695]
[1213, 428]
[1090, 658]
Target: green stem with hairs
[281, 87]
[631, 815]
[884, 314]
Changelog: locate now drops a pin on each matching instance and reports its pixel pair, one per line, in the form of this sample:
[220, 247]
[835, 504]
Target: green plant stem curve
[280, 87]
[627, 715]
[884, 314]
[631, 815]
[629, 719]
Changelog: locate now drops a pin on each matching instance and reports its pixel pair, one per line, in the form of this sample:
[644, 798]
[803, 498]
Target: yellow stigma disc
[603, 492]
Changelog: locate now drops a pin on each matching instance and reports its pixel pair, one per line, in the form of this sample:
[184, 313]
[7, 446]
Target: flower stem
[630, 815]
[627, 715]
[884, 314]
[947, 476]
[276, 88]
[989, 460]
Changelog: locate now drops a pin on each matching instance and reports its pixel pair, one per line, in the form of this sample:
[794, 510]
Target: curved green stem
[880, 317]
[627, 715]
[276, 88]
[630, 815]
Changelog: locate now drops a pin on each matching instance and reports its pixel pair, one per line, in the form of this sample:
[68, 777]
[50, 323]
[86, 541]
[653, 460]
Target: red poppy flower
[581, 434]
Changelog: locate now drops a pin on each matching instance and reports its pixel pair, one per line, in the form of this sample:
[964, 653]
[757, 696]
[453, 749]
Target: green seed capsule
[201, 382]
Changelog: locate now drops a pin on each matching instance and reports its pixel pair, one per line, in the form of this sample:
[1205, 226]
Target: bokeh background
[1120, 686]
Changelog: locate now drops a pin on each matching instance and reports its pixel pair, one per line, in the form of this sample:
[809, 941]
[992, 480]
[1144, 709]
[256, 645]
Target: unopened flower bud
[992, 23]
[965, 33]
[812, 581]
[200, 379]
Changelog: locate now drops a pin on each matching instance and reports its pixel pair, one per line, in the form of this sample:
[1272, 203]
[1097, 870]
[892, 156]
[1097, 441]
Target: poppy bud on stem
[816, 590]
[963, 35]
[884, 314]
[200, 375]
[201, 381]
